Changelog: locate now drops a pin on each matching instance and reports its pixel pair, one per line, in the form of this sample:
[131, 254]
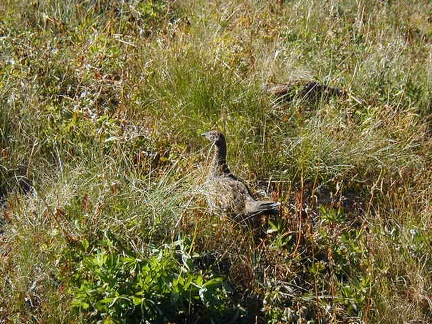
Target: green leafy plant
[161, 286]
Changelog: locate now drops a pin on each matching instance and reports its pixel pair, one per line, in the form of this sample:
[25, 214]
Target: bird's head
[215, 136]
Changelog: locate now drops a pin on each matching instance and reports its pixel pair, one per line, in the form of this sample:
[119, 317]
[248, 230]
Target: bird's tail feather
[269, 207]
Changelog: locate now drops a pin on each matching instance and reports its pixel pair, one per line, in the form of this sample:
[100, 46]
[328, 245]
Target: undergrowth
[102, 163]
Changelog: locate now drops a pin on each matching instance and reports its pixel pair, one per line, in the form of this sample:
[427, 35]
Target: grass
[102, 163]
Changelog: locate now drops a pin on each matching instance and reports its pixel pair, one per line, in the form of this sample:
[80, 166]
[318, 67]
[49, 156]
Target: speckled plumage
[309, 91]
[228, 194]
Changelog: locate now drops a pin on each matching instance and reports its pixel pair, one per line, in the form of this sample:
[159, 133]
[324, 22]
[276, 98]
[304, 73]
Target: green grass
[102, 164]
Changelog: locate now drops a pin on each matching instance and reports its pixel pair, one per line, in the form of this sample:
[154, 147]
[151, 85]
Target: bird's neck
[220, 166]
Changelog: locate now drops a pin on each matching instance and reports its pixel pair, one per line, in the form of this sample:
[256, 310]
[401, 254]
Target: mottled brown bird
[310, 91]
[226, 192]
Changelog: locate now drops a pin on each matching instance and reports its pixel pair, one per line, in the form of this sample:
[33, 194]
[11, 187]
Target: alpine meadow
[326, 107]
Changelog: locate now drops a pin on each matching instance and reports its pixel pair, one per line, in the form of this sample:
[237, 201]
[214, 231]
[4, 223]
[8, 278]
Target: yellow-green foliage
[103, 217]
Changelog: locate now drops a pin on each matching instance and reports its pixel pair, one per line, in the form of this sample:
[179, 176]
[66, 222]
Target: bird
[309, 91]
[226, 192]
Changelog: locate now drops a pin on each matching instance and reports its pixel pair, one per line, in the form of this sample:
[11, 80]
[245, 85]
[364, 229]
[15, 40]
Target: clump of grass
[86, 214]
